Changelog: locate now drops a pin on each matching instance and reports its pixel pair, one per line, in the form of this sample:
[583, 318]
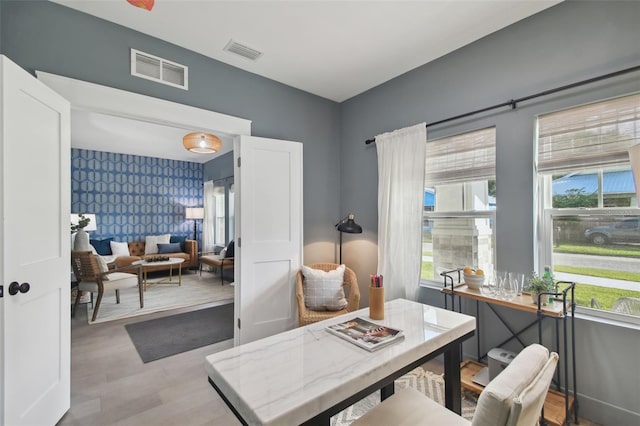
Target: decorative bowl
[473, 281]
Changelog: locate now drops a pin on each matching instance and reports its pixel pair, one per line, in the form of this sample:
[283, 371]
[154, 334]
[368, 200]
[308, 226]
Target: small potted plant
[81, 239]
[83, 221]
[538, 285]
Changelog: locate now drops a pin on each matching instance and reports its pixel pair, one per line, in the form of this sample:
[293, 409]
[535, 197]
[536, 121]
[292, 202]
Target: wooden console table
[562, 307]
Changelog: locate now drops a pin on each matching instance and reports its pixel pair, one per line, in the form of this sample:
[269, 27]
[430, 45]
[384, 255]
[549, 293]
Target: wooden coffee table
[173, 261]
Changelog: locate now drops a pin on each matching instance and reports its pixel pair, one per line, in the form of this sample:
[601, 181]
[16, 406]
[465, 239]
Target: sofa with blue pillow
[154, 245]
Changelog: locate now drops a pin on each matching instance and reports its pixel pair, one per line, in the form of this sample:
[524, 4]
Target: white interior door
[268, 181]
[34, 249]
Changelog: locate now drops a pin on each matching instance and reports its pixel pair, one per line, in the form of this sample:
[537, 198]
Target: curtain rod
[513, 103]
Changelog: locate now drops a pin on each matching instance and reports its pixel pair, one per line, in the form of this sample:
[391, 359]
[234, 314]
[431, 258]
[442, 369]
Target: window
[588, 229]
[219, 237]
[219, 211]
[459, 203]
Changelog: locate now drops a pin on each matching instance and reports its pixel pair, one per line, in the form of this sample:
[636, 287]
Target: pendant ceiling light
[142, 4]
[202, 143]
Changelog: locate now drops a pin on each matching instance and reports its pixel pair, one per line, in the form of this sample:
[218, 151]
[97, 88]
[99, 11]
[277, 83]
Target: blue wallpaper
[134, 196]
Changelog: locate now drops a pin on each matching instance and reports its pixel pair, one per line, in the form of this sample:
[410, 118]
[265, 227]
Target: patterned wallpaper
[134, 196]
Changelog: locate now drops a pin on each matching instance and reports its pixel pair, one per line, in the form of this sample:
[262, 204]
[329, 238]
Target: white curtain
[401, 165]
[209, 213]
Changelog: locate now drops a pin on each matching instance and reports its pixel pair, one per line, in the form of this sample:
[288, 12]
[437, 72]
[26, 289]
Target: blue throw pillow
[103, 247]
[169, 248]
[230, 250]
[178, 239]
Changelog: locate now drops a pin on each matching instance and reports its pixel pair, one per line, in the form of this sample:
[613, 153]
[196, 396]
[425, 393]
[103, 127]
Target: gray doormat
[162, 337]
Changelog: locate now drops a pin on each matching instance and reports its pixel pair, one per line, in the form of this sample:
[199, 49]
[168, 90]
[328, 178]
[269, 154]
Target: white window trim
[480, 214]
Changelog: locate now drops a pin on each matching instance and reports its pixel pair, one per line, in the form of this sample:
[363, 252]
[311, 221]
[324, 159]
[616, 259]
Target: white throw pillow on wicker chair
[322, 290]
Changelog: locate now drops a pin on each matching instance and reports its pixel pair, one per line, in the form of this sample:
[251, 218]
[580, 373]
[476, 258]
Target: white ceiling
[102, 132]
[333, 49]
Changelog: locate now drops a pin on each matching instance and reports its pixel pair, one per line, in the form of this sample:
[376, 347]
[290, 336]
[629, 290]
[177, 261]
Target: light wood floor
[111, 386]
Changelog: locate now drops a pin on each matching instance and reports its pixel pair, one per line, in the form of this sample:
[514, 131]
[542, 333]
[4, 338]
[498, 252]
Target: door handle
[14, 288]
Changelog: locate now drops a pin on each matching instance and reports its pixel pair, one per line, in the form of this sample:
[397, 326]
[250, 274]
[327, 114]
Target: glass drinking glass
[500, 278]
[510, 287]
[518, 278]
[488, 287]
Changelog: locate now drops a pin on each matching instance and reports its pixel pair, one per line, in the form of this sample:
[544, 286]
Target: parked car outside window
[624, 231]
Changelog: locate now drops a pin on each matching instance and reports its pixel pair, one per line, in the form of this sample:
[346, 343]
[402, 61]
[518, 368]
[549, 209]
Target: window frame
[460, 177]
[546, 250]
[544, 240]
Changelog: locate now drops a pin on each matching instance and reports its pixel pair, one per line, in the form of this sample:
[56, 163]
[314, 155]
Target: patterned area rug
[162, 297]
[422, 380]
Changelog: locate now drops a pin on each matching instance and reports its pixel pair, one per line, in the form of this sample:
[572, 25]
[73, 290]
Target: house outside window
[589, 227]
[459, 203]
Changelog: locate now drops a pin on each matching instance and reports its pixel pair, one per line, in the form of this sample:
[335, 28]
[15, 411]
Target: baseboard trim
[604, 413]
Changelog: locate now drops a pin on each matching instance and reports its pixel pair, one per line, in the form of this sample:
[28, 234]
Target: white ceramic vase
[543, 300]
[81, 241]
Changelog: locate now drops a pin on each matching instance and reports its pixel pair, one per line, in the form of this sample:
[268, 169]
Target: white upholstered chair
[94, 277]
[513, 397]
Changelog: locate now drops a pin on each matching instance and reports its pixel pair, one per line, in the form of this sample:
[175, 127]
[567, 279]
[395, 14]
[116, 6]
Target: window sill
[608, 318]
[430, 284]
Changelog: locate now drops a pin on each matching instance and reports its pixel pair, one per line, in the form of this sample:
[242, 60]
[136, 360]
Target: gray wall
[219, 168]
[40, 35]
[569, 42]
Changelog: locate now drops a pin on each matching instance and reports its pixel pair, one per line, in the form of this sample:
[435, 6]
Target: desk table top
[295, 375]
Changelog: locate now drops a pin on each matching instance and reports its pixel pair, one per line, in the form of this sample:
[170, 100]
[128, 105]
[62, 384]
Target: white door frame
[106, 100]
[85, 96]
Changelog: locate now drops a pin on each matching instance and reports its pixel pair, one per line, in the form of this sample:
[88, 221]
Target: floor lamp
[195, 214]
[349, 226]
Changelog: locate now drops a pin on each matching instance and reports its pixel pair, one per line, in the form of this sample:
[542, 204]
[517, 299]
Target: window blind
[593, 135]
[465, 157]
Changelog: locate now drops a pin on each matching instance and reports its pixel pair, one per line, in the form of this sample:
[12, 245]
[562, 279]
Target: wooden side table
[562, 308]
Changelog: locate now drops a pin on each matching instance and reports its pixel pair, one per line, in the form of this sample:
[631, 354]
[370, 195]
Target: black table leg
[387, 391]
[452, 360]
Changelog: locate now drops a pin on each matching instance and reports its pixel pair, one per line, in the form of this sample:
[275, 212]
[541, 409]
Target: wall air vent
[242, 50]
[145, 65]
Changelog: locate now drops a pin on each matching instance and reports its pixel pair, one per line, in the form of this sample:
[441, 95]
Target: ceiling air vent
[145, 65]
[242, 50]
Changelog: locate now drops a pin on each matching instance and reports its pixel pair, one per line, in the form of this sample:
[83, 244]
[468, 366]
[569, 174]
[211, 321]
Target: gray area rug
[162, 337]
[430, 384]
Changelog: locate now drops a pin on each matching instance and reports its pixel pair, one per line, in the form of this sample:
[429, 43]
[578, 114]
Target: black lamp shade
[350, 227]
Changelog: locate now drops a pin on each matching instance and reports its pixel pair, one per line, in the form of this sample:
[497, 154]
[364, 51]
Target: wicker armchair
[94, 279]
[307, 316]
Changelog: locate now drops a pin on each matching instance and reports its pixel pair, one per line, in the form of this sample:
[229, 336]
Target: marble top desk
[308, 375]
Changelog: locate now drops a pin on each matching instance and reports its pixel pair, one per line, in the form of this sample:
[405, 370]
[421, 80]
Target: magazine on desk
[366, 334]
